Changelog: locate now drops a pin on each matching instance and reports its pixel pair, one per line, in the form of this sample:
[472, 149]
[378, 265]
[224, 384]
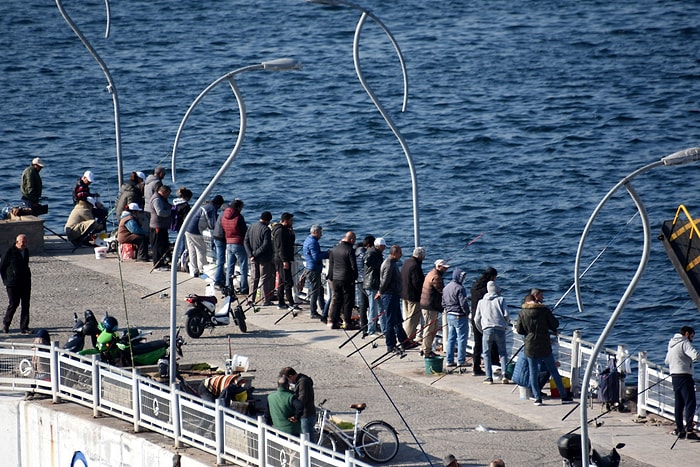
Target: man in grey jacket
[492, 320]
[680, 357]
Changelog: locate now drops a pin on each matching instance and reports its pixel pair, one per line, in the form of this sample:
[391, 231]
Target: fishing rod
[466, 246]
[398, 412]
[402, 353]
[57, 234]
[293, 311]
[595, 419]
[363, 328]
[166, 288]
[460, 368]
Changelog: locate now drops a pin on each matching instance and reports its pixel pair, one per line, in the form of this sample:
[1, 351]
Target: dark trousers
[684, 408]
[343, 298]
[18, 296]
[477, 350]
[284, 286]
[159, 244]
[362, 304]
[391, 303]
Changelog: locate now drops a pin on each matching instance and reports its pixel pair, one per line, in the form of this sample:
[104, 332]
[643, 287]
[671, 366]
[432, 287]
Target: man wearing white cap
[81, 190]
[32, 186]
[130, 231]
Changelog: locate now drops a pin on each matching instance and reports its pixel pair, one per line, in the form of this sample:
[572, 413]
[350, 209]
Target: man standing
[390, 294]
[342, 272]
[478, 291]
[283, 246]
[235, 229]
[32, 186]
[431, 305]
[202, 220]
[285, 409]
[258, 245]
[17, 278]
[680, 357]
[455, 304]
[304, 391]
[151, 185]
[159, 224]
[491, 319]
[412, 278]
[536, 322]
[313, 263]
[372, 266]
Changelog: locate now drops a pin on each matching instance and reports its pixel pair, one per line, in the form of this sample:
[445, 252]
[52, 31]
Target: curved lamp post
[677, 158]
[281, 64]
[111, 87]
[356, 58]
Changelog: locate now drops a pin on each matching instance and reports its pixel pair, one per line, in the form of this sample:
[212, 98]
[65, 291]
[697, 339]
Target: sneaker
[5, 329]
[451, 365]
[324, 320]
[488, 381]
[27, 331]
[267, 304]
[679, 434]
[568, 399]
[315, 316]
[478, 372]
[538, 402]
[506, 381]
[294, 307]
[691, 435]
[281, 307]
[411, 344]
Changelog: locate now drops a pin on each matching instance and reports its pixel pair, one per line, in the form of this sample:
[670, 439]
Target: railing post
[175, 414]
[54, 369]
[136, 398]
[641, 385]
[304, 449]
[621, 357]
[218, 430]
[576, 360]
[262, 442]
[95, 387]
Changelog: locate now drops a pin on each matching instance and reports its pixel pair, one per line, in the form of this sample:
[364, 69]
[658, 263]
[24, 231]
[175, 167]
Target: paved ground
[457, 414]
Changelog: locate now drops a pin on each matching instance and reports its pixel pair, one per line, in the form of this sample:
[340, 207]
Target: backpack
[609, 384]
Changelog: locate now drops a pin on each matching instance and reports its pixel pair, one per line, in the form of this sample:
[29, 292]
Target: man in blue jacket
[313, 262]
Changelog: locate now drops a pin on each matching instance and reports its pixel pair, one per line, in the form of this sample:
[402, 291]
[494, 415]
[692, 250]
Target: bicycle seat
[359, 407]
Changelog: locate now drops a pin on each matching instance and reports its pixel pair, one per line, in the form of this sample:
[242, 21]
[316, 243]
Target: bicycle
[377, 440]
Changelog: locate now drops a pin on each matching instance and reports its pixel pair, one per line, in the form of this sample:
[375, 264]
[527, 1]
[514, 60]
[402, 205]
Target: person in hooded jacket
[456, 306]
[478, 290]
[150, 187]
[680, 357]
[130, 192]
[536, 321]
[235, 228]
[491, 319]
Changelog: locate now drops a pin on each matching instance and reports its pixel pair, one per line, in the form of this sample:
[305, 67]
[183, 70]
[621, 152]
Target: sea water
[520, 117]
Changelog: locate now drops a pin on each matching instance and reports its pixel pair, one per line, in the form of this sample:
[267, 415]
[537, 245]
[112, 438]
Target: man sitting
[82, 224]
[130, 231]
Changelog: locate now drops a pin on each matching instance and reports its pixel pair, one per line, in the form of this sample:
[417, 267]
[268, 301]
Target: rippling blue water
[520, 118]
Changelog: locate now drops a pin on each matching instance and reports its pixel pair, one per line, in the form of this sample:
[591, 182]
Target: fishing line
[386, 393]
[126, 311]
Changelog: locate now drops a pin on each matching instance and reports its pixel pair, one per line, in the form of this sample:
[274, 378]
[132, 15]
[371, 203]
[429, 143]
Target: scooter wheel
[194, 325]
[239, 316]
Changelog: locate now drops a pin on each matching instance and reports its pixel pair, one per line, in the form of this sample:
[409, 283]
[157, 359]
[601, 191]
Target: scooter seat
[207, 298]
[145, 347]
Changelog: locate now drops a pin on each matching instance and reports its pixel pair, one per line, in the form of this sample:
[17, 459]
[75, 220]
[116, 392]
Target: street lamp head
[282, 64]
[682, 157]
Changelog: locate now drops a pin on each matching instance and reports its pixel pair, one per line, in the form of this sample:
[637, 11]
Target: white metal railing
[234, 437]
[149, 405]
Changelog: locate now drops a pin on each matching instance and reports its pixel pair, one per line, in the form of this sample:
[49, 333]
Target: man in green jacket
[285, 409]
[31, 186]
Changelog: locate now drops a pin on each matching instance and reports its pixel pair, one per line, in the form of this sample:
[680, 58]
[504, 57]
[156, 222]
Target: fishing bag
[609, 384]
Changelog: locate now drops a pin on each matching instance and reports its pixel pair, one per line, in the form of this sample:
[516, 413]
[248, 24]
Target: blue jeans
[235, 253]
[220, 255]
[316, 299]
[499, 337]
[551, 366]
[457, 329]
[374, 309]
[394, 320]
[307, 426]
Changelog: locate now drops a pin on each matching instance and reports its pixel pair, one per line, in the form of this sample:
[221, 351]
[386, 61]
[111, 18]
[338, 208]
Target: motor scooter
[569, 447]
[204, 313]
[82, 329]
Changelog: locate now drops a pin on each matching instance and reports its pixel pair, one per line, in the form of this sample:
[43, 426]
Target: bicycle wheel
[329, 441]
[379, 441]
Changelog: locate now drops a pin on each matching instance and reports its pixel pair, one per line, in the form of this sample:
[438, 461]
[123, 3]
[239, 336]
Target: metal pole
[274, 65]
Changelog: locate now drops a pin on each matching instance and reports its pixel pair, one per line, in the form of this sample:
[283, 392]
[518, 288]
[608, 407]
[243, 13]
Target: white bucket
[238, 363]
[100, 252]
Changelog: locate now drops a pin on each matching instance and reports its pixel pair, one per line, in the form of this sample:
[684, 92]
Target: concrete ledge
[31, 226]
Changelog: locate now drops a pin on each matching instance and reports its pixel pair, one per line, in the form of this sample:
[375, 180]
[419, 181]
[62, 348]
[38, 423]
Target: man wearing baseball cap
[130, 231]
[32, 186]
[431, 304]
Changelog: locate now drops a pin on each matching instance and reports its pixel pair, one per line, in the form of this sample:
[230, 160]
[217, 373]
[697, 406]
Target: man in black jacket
[258, 244]
[17, 277]
[478, 291]
[342, 272]
[304, 391]
[412, 278]
[283, 245]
